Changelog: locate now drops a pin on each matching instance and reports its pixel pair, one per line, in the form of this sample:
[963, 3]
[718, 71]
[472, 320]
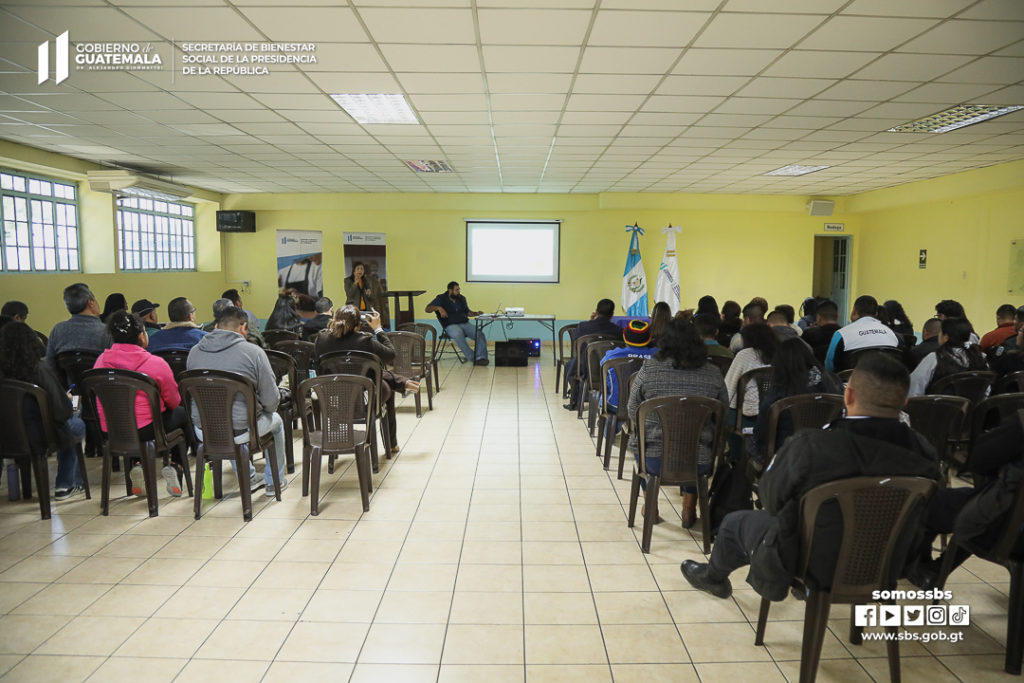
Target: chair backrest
[851, 358]
[274, 336]
[283, 366]
[992, 411]
[73, 363]
[907, 341]
[176, 358]
[301, 351]
[428, 332]
[115, 390]
[213, 393]
[938, 419]
[807, 411]
[43, 338]
[341, 400]
[563, 332]
[580, 342]
[624, 369]
[410, 351]
[683, 420]
[844, 375]
[722, 363]
[15, 440]
[1010, 384]
[361, 363]
[1004, 546]
[875, 512]
[763, 379]
[973, 385]
[595, 352]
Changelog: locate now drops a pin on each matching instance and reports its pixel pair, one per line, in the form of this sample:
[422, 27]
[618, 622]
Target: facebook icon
[865, 615]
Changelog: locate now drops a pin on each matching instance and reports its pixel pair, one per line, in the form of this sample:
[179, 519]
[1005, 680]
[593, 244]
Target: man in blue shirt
[182, 332]
[453, 313]
[637, 336]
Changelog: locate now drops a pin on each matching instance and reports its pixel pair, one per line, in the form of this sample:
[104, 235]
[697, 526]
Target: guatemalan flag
[667, 287]
[634, 280]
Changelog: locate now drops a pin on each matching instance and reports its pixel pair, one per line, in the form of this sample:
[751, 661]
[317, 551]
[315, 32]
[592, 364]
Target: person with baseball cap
[639, 344]
[146, 310]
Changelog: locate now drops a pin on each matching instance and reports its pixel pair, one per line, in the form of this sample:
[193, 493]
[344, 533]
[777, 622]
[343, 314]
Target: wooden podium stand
[396, 315]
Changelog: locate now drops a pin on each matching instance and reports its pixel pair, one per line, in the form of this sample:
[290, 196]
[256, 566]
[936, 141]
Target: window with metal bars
[40, 224]
[155, 235]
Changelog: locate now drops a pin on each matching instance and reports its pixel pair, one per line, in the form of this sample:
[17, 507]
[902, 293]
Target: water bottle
[207, 482]
[13, 482]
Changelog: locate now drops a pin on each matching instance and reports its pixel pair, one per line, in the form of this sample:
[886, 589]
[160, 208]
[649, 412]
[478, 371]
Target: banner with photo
[299, 257]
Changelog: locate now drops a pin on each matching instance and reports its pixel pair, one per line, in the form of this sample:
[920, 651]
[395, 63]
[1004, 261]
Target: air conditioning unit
[821, 207]
[129, 184]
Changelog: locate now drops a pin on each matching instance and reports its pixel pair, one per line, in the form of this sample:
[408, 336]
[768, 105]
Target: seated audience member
[810, 312]
[790, 313]
[114, 302]
[679, 367]
[661, 315]
[707, 328]
[236, 300]
[226, 349]
[82, 331]
[898, 320]
[600, 323]
[929, 341]
[21, 358]
[324, 314]
[864, 332]
[753, 314]
[1009, 356]
[997, 465]
[128, 352]
[182, 332]
[795, 371]
[826, 324]
[146, 310]
[252, 334]
[870, 440]
[955, 354]
[760, 344]
[707, 305]
[639, 344]
[731, 323]
[1005, 328]
[453, 314]
[343, 334]
[16, 310]
[285, 316]
[948, 308]
[781, 327]
[305, 306]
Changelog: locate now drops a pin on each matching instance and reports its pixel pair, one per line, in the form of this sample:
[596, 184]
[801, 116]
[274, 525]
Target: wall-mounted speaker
[821, 207]
[236, 221]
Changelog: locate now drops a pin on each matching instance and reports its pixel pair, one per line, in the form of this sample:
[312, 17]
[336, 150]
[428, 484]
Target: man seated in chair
[226, 349]
[82, 331]
[182, 332]
[869, 441]
[864, 332]
[600, 323]
[454, 313]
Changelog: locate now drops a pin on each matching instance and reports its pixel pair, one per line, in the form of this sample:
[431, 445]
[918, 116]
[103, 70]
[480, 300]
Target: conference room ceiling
[531, 95]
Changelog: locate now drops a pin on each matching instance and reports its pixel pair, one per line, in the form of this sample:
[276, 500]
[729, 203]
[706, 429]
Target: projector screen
[512, 251]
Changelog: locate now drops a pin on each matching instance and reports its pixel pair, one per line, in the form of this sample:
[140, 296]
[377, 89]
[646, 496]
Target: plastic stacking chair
[213, 393]
[722, 363]
[876, 513]
[274, 336]
[283, 366]
[940, 419]
[989, 413]
[176, 359]
[72, 364]
[807, 411]
[1012, 383]
[31, 453]
[609, 419]
[411, 361]
[576, 378]
[594, 355]
[362, 364]
[340, 400]
[974, 385]
[301, 352]
[763, 378]
[115, 390]
[683, 420]
[563, 332]
[429, 333]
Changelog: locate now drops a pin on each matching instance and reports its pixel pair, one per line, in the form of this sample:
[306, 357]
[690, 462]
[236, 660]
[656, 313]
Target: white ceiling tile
[996, 70]
[195, 24]
[275, 82]
[717, 119]
[932, 8]
[306, 24]
[443, 58]
[621, 60]
[663, 119]
[341, 82]
[756, 105]
[786, 6]
[532, 58]
[967, 37]
[91, 23]
[757, 30]
[765, 86]
[463, 83]
[528, 83]
[1001, 10]
[627, 103]
[455, 117]
[290, 101]
[219, 100]
[681, 103]
[866, 91]
[527, 102]
[659, 29]
[945, 93]
[701, 85]
[724, 62]
[615, 83]
[521, 116]
[819, 64]
[347, 57]
[899, 111]
[865, 33]
[427, 102]
[532, 26]
[250, 115]
[595, 117]
[405, 25]
[911, 67]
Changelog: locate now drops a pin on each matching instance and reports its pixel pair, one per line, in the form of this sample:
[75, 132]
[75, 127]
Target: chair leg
[892, 649]
[856, 632]
[558, 374]
[186, 474]
[80, 454]
[306, 455]
[634, 494]
[105, 484]
[289, 447]
[430, 393]
[374, 457]
[623, 441]
[612, 428]
[650, 513]
[362, 469]
[592, 404]
[1015, 619]
[314, 485]
[217, 467]
[384, 425]
[815, 623]
[762, 621]
[419, 411]
[42, 475]
[197, 502]
[149, 476]
[705, 518]
[270, 457]
[601, 422]
[242, 465]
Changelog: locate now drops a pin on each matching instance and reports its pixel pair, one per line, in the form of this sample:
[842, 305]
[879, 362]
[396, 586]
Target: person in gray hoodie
[226, 348]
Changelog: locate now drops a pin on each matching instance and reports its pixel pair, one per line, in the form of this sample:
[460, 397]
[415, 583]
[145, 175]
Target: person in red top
[1004, 328]
[128, 352]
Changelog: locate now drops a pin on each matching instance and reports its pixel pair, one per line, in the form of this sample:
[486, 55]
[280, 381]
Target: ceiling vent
[128, 184]
[821, 207]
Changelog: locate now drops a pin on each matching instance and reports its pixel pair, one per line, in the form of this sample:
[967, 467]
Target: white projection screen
[512, 251]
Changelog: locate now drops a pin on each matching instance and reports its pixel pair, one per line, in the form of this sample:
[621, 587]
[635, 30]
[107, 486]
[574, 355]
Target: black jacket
[849, 448]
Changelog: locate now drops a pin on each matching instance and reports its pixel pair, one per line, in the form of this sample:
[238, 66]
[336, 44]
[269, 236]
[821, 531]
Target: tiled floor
[495, 549]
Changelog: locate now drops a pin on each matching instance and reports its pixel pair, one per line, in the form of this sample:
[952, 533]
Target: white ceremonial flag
[667, 287]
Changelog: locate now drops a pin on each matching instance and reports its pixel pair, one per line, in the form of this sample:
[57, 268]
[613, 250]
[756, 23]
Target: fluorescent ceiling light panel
[955, 117]
[421, 166]
[794, 169]
[377, 108]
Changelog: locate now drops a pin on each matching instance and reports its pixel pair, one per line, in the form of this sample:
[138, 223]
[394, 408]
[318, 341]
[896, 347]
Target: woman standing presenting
[363, 290]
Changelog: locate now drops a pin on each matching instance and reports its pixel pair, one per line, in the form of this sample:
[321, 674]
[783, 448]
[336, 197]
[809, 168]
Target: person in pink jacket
[128, 352]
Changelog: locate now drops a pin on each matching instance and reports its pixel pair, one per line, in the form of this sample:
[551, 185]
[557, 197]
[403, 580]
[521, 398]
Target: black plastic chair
[283, 366]
[115, 390]
[683, 419]
[411, 361]
[851, 358]
[763, 378]
[212, 393]
[876, 513]
[72, 364]
[807, 411]
[576, 379]
[989, 413]
[301, 352]
[974, 385]
[429, 333]
[176, 358]
[722, 363]
[562, 361]
[609, 419]
[271, 337]
[940, 419]
[1012, 383]
[340, 400]
[594, 354]
[362, 364]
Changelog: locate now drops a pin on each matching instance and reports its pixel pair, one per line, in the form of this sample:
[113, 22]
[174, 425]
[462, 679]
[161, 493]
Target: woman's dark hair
[950, 309]
[125, 327]
[305, 302]
[660, 316]
[366, 271]
[114, 302]
[810, 306]
[882, 315]
[947, 357]
[731, 310]
[346, 321]
[791, 367]
[681, 344]
[788, 311]
[284, 316]
[898, 320]
[20, 351]
[760, 337]
[707, 304]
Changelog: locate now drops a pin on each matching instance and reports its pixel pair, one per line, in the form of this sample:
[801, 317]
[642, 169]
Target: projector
[515, 311]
